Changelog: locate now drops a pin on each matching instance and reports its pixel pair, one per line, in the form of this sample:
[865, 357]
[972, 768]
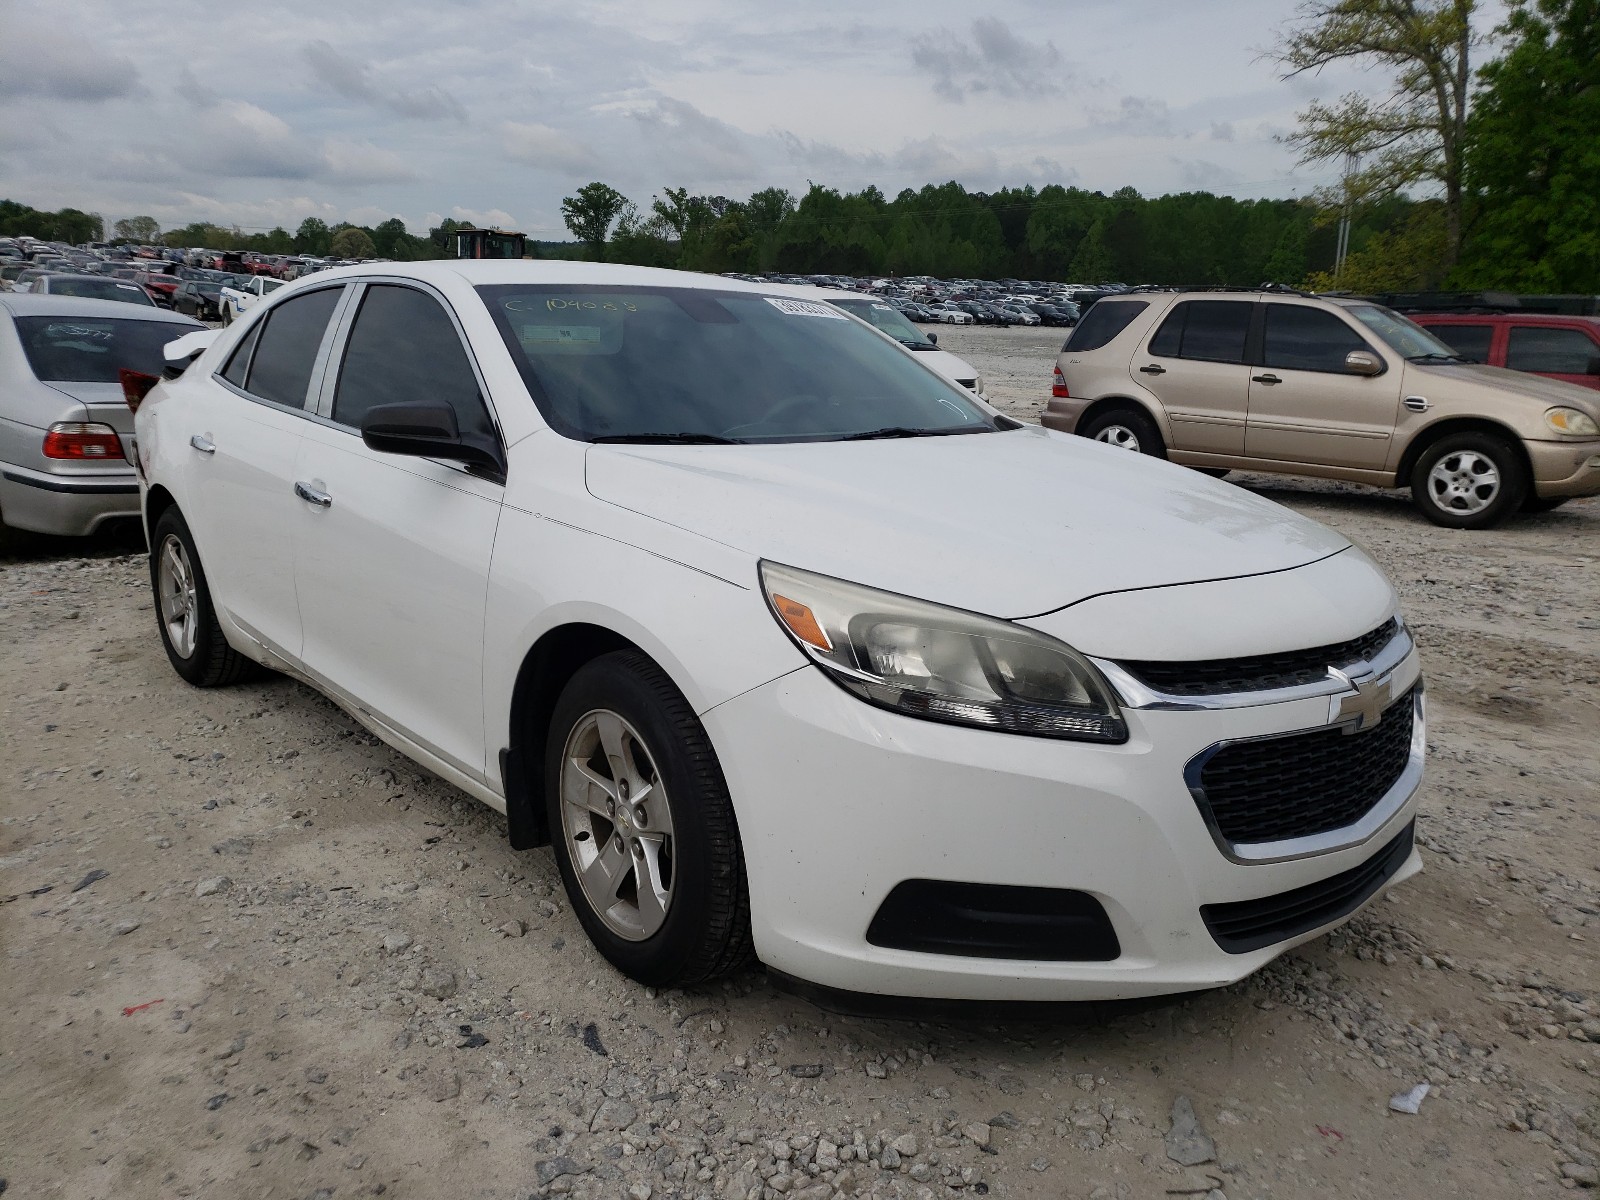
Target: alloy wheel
[1464, 481]
[180, 605]
[1120, 436]
[617, 821]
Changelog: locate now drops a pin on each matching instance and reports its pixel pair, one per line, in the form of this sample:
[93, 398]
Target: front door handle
[1265, 379]
[1153, 369]
[203, 444]
[320, 498]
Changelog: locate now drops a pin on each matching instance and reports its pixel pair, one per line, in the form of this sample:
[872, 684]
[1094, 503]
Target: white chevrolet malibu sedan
[790, 648]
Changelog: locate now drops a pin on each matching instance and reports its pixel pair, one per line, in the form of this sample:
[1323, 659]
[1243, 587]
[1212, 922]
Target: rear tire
[1126, 428]
[1469, 481]
[193, 639]
[642, 826]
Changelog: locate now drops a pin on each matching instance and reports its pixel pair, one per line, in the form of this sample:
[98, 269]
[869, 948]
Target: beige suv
[1282, 381]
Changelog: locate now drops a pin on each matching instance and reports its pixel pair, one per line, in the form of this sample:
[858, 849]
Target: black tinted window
[1209, 330]
[91, 349]
[1102, 323]
[1469, 341]
[404, 349]
[239, 361]
[1307, 339]
[281, 369]
[1553, 351]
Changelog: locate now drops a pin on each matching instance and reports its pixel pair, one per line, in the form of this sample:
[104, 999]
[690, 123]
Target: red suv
[1566, 348]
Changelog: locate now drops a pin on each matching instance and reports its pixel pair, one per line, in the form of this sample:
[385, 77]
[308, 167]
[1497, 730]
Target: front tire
[185, 615]
[1469, 481]
[642, 826]
[1127, 429]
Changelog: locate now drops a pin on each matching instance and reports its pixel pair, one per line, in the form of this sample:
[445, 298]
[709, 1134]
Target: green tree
[1406, 259]
[1417, 133]
[313, 237]
[590, 214]
[144, 230]
[1533, 164]
[351, 241]
[1288, 261]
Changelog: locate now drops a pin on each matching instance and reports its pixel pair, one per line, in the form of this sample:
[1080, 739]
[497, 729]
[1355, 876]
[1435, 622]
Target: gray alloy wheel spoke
[180, 607]
[1464, 482]
[1120, 436]
[617, 823]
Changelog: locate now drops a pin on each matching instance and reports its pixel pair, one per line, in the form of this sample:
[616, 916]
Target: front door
[1305, 404]
[1195, 365]
[392, 552]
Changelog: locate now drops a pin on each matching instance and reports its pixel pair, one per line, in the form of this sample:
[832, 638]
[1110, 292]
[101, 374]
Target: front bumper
[67, 504]
[1565, 468]
[839, 801]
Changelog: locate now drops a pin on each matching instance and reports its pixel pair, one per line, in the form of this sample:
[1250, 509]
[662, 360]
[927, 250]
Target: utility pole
[1342, 245]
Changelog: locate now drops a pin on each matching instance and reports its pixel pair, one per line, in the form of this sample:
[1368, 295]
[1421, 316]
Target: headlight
[942, 664]
[1571, 422]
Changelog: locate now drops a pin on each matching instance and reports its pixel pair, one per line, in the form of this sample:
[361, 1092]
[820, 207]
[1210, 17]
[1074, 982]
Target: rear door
[392, 555]
[1195, 365]
[1567, 352]
[1305, 404]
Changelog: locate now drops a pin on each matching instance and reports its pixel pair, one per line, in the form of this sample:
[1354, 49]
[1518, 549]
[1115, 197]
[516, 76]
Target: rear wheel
[193, 639]
[1469, 481]
[642, 826]
[1127, 429]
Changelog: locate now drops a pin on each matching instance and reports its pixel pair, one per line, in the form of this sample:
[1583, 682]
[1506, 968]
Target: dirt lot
[249, 951]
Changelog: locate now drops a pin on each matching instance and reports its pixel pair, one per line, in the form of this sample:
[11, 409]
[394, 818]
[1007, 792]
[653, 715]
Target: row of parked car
[925, 299]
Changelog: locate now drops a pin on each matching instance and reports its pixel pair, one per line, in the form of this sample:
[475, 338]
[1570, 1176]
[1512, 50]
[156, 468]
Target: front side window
[694, 364]
[92, 349]
[1404, 337]
[1551, 351]
[1300, 338]
[1206, 330]
[404, 349]
[1469, 341]
[1102, 323]
[287, 346]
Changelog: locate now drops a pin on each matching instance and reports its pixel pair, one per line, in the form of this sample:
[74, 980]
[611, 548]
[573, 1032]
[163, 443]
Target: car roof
[26, 304]
[545, 271]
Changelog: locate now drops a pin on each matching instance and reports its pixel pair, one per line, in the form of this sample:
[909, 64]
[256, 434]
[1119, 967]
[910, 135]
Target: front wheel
[642, 826]
[1469, 481]
[1126, 429]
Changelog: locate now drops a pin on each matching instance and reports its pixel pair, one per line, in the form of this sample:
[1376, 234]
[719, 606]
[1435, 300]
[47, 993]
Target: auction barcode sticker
[806, 308]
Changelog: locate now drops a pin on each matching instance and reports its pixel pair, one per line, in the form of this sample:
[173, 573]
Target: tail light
[81, 441]
[136, 386]
[1058, 386]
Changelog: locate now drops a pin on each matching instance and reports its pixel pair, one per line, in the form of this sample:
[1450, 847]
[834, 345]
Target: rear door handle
[203, 444]
[1153, 369]
[1265, 379]
[306, 492]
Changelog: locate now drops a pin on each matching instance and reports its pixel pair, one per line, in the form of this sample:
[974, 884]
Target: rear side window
[404, 349]
[287, 347]
[1299, 338]
[1469, 341]
[1102, 323]
[1206, 330]
[1551, 351]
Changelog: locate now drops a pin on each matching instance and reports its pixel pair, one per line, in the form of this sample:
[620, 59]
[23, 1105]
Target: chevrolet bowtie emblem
[1369, 695]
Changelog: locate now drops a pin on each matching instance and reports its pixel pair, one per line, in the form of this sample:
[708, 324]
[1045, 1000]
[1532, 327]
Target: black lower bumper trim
[77, 487]
[1245, 925]
[987, 920]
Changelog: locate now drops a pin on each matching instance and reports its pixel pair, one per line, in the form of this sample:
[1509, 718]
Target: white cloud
[548, 149]
[363, 163]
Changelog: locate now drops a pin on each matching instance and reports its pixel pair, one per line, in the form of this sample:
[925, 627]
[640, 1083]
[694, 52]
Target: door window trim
[317, 364]
[344, 323]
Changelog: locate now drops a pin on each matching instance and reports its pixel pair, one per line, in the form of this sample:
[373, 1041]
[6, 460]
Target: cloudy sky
[265, 113]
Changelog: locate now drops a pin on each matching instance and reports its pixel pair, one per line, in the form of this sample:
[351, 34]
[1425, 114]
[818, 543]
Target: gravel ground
[250, 951]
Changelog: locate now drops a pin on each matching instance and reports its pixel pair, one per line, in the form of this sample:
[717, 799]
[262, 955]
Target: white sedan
[949, 315]
[788, 647]
[237, 298]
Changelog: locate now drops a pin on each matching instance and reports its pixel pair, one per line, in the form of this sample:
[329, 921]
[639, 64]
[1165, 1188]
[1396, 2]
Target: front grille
[1301, 784]
[1246, 925]
[1260, 672]
[968, 383]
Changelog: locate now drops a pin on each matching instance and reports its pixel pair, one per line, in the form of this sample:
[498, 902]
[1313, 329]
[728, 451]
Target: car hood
[949, 365]
[1486, 380]
[1010, 524]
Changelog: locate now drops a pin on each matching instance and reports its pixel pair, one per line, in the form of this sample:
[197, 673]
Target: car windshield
[99, 289]
[693, 364]
[91, 349]
[887, 318]
[1405, 338]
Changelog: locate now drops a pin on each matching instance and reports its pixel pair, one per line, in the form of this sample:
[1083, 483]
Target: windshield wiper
[674, 439]
[905, 431]
[1443, 358]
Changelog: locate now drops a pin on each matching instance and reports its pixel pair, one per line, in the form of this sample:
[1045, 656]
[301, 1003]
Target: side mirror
[427, 431]
[932, 337]
[1363, 362]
